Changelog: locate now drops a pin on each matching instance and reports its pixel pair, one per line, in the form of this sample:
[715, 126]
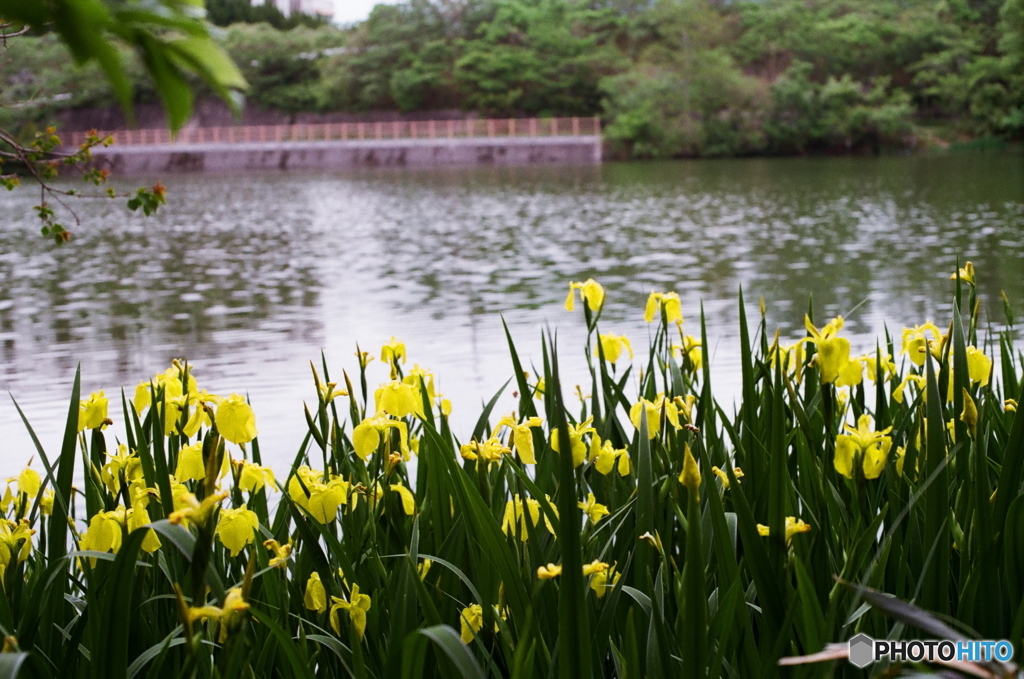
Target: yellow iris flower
[324, 497]
[591, 292]
[392, 353]
[408, 499]
[472, 620]
[93, 412]
[605, 457]
[594, 568]
[653, 410]
[969, 416]
[170, 380]
[190, 463]
[576, 433]
[418, 375]
[549, 572]
[791, 356]
[833, 351]
[888, 370]
[46, 503]
[188, 509]
[518, 511]
[522, 437]
[15, 542]
[227, 617]
[106, 530]
[236, 528]
[668, 302]
[315, 598]
[280, 552]
[593, 509]
[357, 606]
[123, 467]
[253, 476]
[490, 450]
[367, 435]
[29, 483]
[604, 580]
[918, 381]
[979, 366]
[870, 448]
[966, 274]
[690, 475]
[398, 399]
[691, 349]
[917, 338]
[612, 346]
[724, 477]
[198, 415]
[793, 527]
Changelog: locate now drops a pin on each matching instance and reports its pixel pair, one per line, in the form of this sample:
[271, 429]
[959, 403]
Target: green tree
[402, 57]
[227, 12]
[284, 68]
[538, 57]
[684, 95]
[839, 114]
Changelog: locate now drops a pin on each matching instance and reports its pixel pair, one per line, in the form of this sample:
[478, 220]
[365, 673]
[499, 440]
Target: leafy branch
[175, 43]
[42, 160]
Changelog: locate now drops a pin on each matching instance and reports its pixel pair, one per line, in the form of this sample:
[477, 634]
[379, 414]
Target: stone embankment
[352, 146]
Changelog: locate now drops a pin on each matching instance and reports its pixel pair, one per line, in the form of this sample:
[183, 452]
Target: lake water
[251, 276]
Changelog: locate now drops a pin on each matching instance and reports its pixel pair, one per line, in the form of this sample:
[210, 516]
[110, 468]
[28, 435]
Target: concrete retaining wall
[352, 154]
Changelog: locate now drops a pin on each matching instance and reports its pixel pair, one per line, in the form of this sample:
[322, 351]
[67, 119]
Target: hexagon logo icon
[862, 651]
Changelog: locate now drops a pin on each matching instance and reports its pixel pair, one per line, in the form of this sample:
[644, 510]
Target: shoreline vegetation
[668, 78]
[634, 528]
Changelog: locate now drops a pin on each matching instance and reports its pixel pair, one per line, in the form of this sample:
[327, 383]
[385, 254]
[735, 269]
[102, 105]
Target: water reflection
[250, 276]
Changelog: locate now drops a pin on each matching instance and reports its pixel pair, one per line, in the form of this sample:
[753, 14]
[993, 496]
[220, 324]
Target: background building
[324, 8]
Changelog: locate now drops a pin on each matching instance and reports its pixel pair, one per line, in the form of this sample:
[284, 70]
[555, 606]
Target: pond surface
[251, 276]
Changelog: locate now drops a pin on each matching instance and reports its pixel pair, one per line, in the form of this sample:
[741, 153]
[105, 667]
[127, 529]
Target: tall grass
[640, 530]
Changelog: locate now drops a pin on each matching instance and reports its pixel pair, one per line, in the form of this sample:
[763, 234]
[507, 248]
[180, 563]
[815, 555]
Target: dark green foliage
[284, 68]
[227, 12]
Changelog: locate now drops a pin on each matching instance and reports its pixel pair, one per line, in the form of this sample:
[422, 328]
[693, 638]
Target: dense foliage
[227, 12]
[636, 528]
[669, 77]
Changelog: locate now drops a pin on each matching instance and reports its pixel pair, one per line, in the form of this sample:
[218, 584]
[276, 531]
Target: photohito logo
[864, 650]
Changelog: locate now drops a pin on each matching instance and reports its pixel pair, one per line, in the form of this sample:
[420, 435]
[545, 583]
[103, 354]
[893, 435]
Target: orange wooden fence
[418, 129]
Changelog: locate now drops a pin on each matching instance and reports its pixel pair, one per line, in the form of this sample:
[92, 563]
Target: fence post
[490, 127]
[575, 126]
[511, 127]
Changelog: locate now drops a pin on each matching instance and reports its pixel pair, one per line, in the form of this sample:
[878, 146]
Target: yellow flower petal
[236, 420]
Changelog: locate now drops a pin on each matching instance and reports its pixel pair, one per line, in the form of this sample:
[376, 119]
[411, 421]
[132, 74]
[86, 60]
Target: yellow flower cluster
[862, 448]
